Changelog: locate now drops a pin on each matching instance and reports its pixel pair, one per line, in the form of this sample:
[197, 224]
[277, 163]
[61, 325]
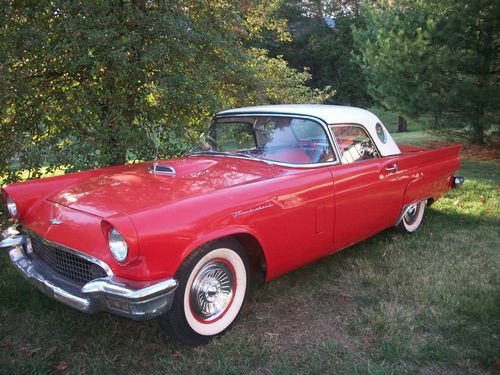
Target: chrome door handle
[392, 167]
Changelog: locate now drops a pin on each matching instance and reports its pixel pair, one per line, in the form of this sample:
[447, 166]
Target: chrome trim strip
[333, 144]
[85, 256]
[408, 206]
[113, 286]
[316, 165]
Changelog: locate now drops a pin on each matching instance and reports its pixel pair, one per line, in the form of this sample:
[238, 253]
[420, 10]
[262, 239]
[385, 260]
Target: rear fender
[435, 171]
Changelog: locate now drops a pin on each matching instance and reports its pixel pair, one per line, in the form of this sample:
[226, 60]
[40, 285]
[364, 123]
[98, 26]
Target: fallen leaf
[61, 366]
[51, 351]
[34, 351]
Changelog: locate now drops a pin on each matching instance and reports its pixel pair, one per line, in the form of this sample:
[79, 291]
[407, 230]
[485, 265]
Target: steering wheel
[368, 151]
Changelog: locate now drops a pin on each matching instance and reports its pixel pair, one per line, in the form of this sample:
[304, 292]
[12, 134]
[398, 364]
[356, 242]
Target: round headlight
[11, 207]
[117, 245]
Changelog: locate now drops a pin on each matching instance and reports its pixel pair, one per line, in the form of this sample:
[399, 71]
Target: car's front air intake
[66, 264]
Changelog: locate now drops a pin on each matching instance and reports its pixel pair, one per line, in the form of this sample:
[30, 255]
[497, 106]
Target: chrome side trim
[407, 207]
[88, 257]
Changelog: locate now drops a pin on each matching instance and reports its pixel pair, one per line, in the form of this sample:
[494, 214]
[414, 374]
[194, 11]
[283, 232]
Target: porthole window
[380, 132]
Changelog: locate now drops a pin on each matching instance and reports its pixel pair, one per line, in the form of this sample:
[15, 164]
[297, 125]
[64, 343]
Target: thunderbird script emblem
[55, 221]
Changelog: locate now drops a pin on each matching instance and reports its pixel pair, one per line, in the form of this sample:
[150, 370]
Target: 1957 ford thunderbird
[267, 189]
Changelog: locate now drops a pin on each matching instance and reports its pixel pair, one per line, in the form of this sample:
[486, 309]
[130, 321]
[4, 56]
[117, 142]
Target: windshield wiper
[248, 156]
[206, 152]
[227, 153]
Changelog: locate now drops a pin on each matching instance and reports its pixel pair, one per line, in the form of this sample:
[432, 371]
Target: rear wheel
[412, 218]
[212, 287]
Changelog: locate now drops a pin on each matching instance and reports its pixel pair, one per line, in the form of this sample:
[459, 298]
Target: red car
[267, 189]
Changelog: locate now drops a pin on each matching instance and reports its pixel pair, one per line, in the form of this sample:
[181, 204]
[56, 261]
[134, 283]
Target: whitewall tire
[212, 288]
[412, 218]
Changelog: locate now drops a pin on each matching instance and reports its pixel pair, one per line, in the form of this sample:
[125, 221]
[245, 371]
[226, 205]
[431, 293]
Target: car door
[368, 188]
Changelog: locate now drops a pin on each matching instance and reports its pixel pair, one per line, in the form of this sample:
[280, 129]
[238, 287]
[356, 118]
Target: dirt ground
[489, 152]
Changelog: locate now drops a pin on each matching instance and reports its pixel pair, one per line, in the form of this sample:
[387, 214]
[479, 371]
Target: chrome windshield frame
[324, 125]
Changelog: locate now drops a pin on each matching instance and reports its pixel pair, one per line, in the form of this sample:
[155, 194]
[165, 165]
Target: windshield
[273, 138]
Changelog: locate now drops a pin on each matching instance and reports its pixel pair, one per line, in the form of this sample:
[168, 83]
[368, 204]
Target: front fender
[227, 231]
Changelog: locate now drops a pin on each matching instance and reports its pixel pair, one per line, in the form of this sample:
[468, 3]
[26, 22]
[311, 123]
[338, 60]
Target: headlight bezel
[117, 245]
[12, 208]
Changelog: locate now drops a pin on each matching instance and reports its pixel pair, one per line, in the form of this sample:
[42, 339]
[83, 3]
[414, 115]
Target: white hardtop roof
[331, 114]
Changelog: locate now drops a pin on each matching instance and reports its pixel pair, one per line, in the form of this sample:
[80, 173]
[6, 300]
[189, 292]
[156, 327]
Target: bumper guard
[135, 300]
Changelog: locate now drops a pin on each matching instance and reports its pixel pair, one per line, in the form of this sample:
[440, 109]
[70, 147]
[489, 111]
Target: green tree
[437, 57]
[321, 43]
[83, 84]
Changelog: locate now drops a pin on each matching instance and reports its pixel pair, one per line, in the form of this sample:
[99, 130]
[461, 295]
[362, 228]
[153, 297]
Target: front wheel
[212, 287]
[412, 218]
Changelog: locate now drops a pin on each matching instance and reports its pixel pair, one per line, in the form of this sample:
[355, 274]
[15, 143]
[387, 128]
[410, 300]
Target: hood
[132, 187]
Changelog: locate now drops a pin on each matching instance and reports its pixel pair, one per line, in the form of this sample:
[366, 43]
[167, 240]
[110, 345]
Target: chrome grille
[66, 264]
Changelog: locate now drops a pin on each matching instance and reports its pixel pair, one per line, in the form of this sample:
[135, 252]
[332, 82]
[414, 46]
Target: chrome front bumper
[130, 299]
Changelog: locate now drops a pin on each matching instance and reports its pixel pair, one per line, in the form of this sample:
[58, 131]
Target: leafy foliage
[437, 57]
[83, 84]
[321, 43]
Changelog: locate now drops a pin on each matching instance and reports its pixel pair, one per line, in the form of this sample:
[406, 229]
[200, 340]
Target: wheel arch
[248, 239]
[429, 200]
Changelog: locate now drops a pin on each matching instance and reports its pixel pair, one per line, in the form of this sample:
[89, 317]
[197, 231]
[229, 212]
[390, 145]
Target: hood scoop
[163, 169]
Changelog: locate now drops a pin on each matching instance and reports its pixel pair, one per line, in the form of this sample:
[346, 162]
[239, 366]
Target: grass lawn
[424, 303]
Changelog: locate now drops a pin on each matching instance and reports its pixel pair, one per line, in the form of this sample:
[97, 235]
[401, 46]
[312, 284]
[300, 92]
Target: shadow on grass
[393, 302]
[483, 171]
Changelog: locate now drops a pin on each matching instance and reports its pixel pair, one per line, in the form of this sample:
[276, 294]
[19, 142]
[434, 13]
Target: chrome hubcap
[212, 290]
[411, 214]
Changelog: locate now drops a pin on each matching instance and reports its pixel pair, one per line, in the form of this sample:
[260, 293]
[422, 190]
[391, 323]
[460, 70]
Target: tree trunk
[118, 150]
[402, 124]
[477, 132]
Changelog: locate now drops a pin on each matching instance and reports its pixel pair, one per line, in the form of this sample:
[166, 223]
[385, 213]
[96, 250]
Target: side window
[354, 143]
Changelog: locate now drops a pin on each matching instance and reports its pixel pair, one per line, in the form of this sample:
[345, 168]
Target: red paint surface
[296, 214]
